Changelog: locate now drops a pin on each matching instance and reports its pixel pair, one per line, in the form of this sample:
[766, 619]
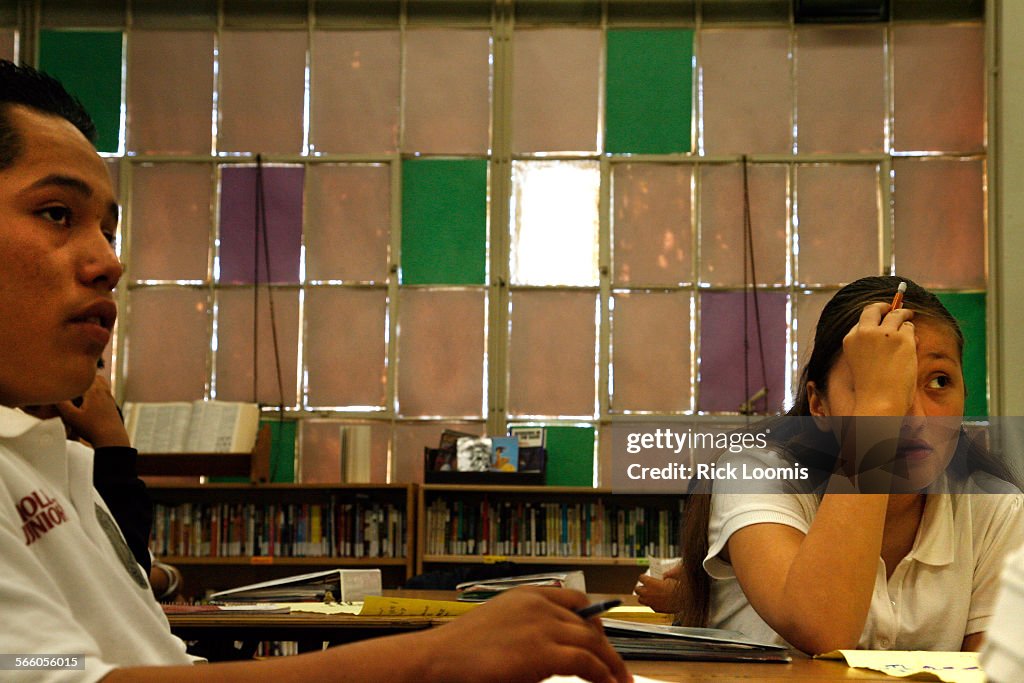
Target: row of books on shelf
[332, 529]
[528, 528]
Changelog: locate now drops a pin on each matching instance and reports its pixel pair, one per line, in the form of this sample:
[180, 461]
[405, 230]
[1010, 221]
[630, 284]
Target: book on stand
[192, 427]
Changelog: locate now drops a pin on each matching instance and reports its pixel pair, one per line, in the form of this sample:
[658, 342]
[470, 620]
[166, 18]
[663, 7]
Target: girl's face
[929, 433]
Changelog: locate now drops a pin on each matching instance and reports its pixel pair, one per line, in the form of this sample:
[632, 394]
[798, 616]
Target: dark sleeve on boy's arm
[116, 479]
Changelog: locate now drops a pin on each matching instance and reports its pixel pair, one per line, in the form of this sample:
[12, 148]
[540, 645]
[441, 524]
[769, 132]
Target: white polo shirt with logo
[943, 590]
[68, 582]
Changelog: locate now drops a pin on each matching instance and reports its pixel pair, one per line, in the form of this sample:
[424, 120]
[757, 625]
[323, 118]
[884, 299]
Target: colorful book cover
[504, 454]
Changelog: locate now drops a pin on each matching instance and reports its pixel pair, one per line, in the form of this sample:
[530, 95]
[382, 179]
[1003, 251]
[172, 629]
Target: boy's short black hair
[36, 90]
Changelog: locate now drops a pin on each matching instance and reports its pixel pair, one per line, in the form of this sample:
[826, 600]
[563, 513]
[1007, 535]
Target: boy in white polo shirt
[69, 586]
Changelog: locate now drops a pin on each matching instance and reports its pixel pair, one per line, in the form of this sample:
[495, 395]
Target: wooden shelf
[537, 559]
[188, 560]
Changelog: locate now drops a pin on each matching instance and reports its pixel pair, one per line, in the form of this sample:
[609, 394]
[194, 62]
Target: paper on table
[376, 606]
[576, 679]
[952, 667]
[325, 607]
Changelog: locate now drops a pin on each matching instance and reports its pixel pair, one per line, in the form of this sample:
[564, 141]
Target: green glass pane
[649, 91]
[88, 63]
[444, 221]
[282, 450]
[969, 310]
[570, 456]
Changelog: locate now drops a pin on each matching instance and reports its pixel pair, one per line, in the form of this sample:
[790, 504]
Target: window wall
[419, 216]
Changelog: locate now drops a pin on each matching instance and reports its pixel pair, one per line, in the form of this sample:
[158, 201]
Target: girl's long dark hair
[838, 317]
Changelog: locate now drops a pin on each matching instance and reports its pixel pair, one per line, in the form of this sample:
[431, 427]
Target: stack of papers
[478, 591]
[635, 640]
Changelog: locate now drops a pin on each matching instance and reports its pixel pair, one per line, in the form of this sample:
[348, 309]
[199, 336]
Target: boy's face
[58, 217]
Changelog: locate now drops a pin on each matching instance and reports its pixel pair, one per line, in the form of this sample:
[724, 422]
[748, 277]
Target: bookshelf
[223, 535]
[608, 536]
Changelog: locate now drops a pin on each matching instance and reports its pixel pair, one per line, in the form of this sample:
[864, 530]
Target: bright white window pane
[235, 346]
[167, 344]
[555, 222]
[345, 349]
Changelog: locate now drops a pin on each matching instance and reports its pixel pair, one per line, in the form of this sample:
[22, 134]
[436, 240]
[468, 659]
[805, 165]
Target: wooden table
[800, 669]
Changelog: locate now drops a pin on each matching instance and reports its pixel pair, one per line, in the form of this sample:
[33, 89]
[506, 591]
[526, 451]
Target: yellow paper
[952, 667]
[324, 607]
[375, 606]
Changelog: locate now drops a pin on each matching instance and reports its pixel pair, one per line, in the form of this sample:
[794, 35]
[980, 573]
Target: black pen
[597, 608]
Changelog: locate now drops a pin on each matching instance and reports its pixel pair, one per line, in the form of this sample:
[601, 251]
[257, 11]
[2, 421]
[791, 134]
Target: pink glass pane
[354, 91]
[235, 345]
[653, 231]
[747, 93]
[840, 89]
[8, 40]
[345, 349]
[170, 221]
[282, 202]
[808, 309]
[348, 221]
[727, 378]
[447, 91]
[938, 88]
[722, 232]
[940, 222]
[411, 439]
[651, 352]
[555, 90]
[167, 343]
[441, 352]
[170, 110]
[831, 220]
[552, 354]
[320, 451]
[262, 82]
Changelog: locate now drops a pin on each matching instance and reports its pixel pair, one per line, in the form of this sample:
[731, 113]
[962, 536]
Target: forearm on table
[837, 557]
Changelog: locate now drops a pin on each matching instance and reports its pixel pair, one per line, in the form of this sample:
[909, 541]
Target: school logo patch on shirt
[113, 532]
[39, 513]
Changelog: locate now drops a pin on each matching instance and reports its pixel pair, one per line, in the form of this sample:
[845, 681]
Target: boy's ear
[818, 406]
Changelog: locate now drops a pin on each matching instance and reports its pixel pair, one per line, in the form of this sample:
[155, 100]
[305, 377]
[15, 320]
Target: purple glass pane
[282, 192]
[723, 386]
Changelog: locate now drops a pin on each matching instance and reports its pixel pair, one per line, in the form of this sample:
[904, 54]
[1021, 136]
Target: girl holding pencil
[911, 564]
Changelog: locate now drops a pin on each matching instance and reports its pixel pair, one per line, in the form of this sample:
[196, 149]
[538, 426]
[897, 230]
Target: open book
[344, 585]
[478, 591]
[192, 427]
